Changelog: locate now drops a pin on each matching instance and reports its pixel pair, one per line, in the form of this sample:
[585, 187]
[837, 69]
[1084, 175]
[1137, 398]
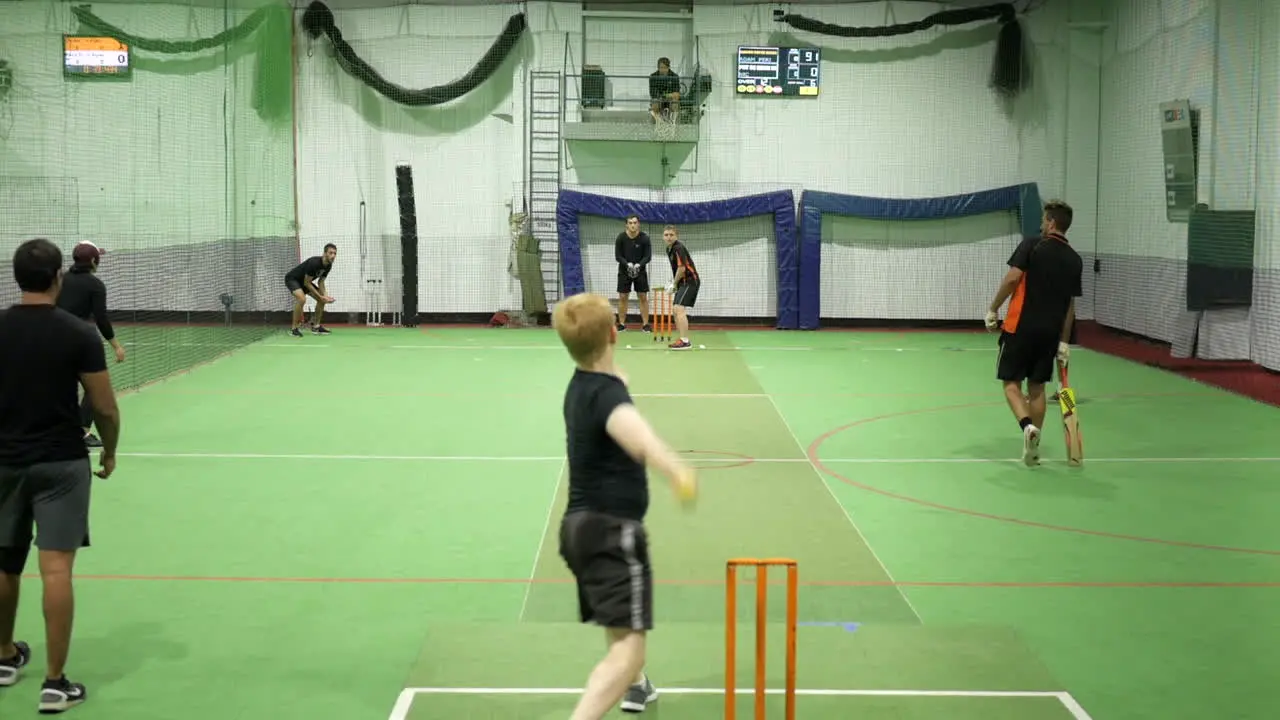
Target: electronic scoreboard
[779, 71]
[83, 55]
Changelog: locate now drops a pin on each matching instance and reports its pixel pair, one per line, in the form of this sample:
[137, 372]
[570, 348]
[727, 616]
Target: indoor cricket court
[365, 523]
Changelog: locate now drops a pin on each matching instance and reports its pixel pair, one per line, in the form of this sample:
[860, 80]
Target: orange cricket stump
[731, 640]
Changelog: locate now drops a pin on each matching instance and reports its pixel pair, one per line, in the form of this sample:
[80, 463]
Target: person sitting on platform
[664, 91]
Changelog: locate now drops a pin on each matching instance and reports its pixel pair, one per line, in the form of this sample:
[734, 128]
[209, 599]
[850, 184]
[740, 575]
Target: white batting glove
[671, 289]
[1064, 353]
[991, 320]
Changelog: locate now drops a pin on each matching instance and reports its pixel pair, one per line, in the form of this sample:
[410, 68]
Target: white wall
[1264, 336]
[1215, 55]
[465, 156]
[904, 117]
[178, 155]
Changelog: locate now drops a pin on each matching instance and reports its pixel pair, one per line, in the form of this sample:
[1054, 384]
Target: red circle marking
[817, 444]
[731, 459]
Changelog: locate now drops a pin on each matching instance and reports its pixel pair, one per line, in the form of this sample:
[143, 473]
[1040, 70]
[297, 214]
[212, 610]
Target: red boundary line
[817, 444]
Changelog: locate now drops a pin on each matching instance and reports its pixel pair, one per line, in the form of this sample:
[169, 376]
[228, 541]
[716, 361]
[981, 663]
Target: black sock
[1024, 422]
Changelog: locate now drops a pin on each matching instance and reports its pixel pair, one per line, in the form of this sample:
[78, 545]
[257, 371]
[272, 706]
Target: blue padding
[780, 204]
[1024, 199]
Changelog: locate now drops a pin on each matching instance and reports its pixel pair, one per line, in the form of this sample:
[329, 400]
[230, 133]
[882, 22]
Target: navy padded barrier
[781, 205]
[1023, 199]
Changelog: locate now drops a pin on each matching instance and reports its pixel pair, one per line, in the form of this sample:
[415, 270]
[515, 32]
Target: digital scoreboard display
[779, 71]
[83, 55]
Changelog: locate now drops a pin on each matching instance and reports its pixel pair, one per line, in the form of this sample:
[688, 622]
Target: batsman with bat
[1044, 279]
[634, 252]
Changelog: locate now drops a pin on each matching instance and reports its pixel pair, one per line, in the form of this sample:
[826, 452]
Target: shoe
[680, 345]
[319, 330]
[647, 328]
[11, 668]
[639, 696]
[295, 332]
[1031, 446]
[621, 327]
[58, 696]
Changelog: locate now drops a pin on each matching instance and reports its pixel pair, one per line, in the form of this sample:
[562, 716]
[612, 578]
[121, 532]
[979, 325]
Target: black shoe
[11, 667]
[295, 332]
[647, 328]
[319, 330]
[92, 440]
[638, 697]
[621, 327]
[58, 696]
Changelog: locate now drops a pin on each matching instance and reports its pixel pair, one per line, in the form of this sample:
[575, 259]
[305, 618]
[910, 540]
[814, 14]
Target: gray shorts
[48, 502]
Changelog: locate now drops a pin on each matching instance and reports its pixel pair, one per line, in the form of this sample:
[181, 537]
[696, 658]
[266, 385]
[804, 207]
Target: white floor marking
[559, 348]
[705, 457]
[537, 555]
[822, 478]
[405, 700]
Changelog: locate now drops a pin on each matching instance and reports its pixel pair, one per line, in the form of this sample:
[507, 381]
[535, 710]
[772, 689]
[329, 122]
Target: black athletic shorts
[609, 557]
[52, 497]
[639, 283]
[293, 284]
[687, 294]
[1026, 357]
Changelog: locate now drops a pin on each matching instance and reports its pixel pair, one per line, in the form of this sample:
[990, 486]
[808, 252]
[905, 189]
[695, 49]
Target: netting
[909, 270]
[736, 261]
[1153, 120]
[441, 90]
[1187, 244]
[182, 169]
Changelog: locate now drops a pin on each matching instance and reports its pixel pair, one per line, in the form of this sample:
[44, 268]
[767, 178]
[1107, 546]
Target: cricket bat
[1070, 419]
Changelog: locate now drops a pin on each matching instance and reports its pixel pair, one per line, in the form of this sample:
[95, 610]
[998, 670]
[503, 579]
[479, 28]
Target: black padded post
[408, 244]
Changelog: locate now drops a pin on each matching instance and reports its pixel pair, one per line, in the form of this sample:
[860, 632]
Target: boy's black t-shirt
[602, 476]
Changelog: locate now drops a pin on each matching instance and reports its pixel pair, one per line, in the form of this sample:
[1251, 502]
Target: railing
[598, 97]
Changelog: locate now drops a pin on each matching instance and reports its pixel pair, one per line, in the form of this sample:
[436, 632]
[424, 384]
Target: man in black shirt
[664, 91]
[602, 535]
[633, 251]
[45, 475]
[307, 278]
[1044, 279]
[684, 285]
[85, 296]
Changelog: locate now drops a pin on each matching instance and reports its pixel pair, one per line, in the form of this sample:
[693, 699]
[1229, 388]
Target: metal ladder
[545, 92]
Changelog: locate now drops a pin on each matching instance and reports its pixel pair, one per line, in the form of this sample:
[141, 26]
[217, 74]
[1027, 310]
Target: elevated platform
[627, 125]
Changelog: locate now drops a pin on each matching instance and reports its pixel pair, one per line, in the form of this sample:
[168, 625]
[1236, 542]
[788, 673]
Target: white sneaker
[1031, 446]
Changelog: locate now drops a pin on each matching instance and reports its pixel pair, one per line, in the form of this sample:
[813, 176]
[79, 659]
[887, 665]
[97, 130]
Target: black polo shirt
[43, 351]
[602, 476]
[679, 256]
[1052, 274]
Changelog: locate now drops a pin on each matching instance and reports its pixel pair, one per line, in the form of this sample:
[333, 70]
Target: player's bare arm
[106, 416]
[315, 292]
[633, 434]
[1007, 286]
[1069, 321]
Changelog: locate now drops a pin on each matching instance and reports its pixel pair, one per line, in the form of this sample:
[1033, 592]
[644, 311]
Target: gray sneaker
[639, 696]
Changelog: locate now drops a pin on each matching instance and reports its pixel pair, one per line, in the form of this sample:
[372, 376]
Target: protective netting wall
[182, 169]
[1187, 244]
[736, 261]
[913, 269]
[440, 89]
